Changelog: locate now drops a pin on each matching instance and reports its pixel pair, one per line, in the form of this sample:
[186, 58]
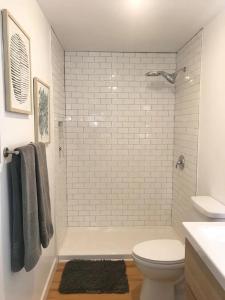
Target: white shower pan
[109, 242]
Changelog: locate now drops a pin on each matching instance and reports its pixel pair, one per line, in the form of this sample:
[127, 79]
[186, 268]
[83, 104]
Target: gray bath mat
[94, 277]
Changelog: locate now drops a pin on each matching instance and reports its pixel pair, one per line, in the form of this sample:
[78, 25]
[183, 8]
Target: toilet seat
[165, 251]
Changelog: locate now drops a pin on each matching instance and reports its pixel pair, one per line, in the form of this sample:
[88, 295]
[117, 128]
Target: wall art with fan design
[17, 66]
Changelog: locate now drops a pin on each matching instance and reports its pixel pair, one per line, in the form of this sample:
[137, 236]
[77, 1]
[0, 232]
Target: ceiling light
[136, 4]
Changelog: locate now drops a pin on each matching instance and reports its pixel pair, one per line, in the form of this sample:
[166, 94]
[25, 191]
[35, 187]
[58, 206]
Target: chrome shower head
[170, 77]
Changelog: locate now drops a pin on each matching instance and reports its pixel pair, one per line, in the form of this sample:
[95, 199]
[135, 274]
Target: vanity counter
[208, 240]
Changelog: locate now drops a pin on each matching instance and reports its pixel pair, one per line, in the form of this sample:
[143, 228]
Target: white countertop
[208, 239]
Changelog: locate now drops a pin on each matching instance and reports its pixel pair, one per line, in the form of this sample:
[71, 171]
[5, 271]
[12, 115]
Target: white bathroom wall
[58, 66]
[186, 131]
[211, 156]
[120, 139]
[15, 130]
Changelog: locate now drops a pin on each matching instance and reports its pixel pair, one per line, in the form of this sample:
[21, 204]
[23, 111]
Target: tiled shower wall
[186, 131]
[119, 139]
[59, 133]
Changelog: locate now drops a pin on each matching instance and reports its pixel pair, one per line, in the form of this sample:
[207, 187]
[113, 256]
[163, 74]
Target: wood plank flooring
[134, 277]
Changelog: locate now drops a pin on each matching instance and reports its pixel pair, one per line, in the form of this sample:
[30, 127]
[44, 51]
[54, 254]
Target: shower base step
[109, 242]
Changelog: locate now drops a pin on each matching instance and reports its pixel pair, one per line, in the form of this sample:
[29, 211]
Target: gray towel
[44, 205]
[17, 243]
[32, 246]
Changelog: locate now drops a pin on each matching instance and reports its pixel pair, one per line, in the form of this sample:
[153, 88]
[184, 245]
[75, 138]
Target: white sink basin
[214, 233]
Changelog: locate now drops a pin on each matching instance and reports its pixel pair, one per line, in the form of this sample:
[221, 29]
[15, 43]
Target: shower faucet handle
[181, 162]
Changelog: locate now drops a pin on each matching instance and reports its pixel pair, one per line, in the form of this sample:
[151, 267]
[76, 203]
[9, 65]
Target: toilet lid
[161, 251]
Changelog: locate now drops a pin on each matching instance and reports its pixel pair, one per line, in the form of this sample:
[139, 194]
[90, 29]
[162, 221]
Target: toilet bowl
[162, 265]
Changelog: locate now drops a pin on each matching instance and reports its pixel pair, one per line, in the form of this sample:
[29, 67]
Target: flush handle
[180, 163]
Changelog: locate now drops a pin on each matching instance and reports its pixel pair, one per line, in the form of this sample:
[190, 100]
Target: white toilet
[162, 264]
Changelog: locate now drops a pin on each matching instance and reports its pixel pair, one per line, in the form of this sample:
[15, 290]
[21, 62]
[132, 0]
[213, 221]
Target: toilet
[162, 265]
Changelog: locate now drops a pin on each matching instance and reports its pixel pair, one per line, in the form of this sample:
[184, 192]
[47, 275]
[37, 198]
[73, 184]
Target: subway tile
[120, 126]
[186, 131]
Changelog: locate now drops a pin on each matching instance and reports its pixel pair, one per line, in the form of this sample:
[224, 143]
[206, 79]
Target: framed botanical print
[17, 66]
[41, 111]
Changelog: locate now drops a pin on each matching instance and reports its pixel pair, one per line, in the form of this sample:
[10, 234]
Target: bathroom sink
[214, 233]
[208, 239]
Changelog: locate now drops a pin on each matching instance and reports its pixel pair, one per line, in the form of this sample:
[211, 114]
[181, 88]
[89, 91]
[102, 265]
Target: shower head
[170, 77]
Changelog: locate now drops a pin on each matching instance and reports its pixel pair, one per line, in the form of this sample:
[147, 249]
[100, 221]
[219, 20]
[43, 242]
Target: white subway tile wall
[186, 131]
[119, 139]
[59, 135]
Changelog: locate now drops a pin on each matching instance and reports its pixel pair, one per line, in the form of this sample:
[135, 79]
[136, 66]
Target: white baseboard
[48, 283]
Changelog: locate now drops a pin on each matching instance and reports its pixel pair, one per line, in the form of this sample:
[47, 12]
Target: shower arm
[184, 69]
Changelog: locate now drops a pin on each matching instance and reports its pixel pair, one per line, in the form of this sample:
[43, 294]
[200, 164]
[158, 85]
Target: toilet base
[157, 290]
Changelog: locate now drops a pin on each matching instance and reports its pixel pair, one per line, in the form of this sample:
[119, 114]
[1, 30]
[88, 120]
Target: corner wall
[211, 156]
[15, 130]
[186, 131]
[58, 86]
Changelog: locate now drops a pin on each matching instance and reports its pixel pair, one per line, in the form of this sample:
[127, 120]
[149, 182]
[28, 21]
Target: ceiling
[128, 25]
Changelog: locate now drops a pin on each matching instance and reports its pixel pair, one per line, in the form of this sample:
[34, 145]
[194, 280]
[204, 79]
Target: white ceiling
[128, 25]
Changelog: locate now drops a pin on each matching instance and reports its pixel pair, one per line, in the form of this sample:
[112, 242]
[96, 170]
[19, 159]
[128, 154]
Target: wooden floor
[134, 278]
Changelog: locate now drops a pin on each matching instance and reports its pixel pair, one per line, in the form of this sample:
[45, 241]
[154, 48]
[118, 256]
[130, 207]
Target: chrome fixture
[181, 162]
[7, 152]
[170, 77]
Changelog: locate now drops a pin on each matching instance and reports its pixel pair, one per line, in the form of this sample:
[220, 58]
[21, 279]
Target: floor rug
[94, 277]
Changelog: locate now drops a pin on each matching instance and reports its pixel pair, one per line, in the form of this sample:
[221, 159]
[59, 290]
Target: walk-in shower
[171, 77]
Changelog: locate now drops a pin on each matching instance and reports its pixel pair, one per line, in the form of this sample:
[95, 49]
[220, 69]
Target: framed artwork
[41, 111]
[17, 66]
